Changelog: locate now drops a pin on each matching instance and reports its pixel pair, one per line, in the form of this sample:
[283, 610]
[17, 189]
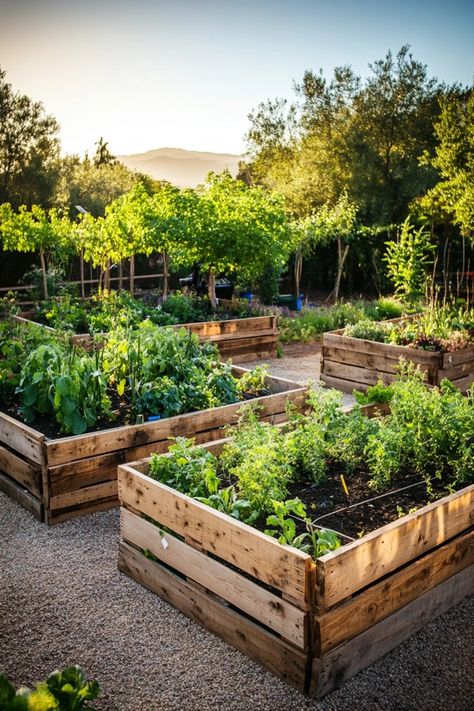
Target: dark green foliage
[438, 329]
[314, 322]
[189, 469]
[150, 372]
[428, 433]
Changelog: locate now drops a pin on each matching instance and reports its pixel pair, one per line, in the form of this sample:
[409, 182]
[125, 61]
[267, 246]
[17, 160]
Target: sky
[146, 74]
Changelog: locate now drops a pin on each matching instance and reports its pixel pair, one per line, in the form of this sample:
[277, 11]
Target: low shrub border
[314, 625]
[57, 479]
[355, 363]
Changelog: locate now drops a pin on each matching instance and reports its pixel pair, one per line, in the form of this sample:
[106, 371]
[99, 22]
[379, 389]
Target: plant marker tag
[344, 485]
[164, 543]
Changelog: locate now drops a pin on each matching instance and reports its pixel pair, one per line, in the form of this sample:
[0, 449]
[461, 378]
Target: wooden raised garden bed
[354, 363]
[57, 479]
[314, 625]
[242, 339]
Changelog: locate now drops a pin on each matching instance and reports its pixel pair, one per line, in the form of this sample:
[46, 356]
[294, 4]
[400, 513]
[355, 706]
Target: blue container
[246, 295]
[153, 418]
[298, 304]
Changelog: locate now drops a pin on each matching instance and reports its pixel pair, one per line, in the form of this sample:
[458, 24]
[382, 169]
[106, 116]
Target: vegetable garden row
[311, 537]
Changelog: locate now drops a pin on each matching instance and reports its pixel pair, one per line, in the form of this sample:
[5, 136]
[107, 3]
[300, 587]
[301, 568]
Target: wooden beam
[275, 654]
[335, 668]
[342, 573]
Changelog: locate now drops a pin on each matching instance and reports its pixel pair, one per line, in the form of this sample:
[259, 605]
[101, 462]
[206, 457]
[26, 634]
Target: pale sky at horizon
[146, 74]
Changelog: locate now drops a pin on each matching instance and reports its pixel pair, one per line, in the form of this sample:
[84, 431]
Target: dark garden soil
[362, 509]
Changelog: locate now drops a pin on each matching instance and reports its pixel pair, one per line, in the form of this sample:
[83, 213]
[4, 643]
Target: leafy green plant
[408, 261]
[189, 469]
[320, 541]
[227, 500]
[314, 321]
[66, 690]
[368, 330]
[285, 527]
[254, 382]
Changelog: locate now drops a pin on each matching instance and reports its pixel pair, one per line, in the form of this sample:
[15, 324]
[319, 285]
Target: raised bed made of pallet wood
[242, 339]
[57, 479]
[354, 363]
[314, 625]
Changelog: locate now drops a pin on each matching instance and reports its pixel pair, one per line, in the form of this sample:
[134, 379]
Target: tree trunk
[120, 284]
[81, 266]
[298, 271]
[45, 275]
[107, 276]
[132, 275]
[165, 275]
[211, 288]
[341, 258]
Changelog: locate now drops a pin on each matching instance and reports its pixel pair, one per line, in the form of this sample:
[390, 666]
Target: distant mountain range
[181, 167]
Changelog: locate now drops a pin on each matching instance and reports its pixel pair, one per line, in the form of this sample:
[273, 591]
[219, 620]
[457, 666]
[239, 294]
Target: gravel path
[300, 368]
[63, 601]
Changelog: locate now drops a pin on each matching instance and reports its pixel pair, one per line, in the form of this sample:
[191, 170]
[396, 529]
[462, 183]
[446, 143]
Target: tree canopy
[29, 149]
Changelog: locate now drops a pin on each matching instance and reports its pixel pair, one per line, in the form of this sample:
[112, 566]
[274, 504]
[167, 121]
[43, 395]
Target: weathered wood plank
[355, 374]
[207, 329]
[23, 497]
[85, 509]
[67, 449]
[94, 493]
[345, 661]
[275, 654]
[379, 601]
[27, 475]
[282, 567]
[347, 386]
[254, 600]
[385, 362]
[457, 371]
[21, 438]
[457, 357]
[343, 572]
[333, 339]
[464, 383]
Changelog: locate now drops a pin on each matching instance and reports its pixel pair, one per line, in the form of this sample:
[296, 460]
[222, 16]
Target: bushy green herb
[437, 328]
[189, 469]
[66, 690]
[315, 321]
[285, 526]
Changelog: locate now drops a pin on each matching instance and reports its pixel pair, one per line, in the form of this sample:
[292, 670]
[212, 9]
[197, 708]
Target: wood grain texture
[275, 654]
[21, 438]
[265, 607]
[19, 469]
[22, 496]
[379, 601]
[282, 567]
[331, 671]
[342, 573]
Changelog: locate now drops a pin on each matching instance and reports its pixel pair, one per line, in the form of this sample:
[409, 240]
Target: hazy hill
[180, 167]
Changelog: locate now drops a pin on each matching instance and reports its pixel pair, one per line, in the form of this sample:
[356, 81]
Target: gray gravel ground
[63, 601]
[298, 368]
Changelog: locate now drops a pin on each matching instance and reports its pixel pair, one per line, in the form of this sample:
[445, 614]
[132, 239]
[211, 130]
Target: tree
[35, 230]
[326, 225]
[83, 183]
[29, 149]
[102, 154]
[234, 228]
[392, 126]
[454, 159]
